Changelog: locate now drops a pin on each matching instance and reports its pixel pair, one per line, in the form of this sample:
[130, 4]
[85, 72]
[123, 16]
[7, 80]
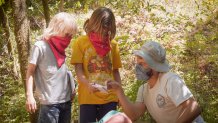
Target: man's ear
[150, 73]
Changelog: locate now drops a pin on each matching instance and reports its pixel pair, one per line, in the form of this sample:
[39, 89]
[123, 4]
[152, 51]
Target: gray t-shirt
[164, 99]
[53, 85]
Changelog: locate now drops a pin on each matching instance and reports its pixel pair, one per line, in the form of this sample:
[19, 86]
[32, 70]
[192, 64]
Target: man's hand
[115, 86]
[31, 104]
[132, 110]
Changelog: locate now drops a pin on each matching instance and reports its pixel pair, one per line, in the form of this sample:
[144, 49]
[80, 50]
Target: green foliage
[2, 2]
[75, 109]
[12, 100]
[201, 57]
[191, 48]
[12, 107]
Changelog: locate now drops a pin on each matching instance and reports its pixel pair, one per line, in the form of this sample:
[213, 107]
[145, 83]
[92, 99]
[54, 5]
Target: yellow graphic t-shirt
[97, 69]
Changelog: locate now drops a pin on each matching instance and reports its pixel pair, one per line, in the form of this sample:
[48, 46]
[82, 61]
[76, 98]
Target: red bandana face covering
[58, 46]
[102, 47]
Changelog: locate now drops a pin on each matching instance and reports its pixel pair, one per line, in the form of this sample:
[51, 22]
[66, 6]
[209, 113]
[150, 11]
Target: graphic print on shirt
[160, 101]
[100, 69]
[98, 64]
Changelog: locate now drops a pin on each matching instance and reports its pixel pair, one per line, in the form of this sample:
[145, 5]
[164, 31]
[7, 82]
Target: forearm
[116, 75]
[82, 79]
[80, 74]
[29, 80]
[29, 86]
[190, 112]
[130, 109]
[30, 100]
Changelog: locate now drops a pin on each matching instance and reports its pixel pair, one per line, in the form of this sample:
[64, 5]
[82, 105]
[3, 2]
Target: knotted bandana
[102, 46]
[58, 46]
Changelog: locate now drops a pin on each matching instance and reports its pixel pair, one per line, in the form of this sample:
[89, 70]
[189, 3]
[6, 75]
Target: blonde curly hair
[62, 24]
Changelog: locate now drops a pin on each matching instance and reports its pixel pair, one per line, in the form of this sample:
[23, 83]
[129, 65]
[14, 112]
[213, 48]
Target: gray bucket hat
[154, 55]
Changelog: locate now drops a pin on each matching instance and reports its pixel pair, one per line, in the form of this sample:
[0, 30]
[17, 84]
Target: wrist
[120, 92]
[29, 95]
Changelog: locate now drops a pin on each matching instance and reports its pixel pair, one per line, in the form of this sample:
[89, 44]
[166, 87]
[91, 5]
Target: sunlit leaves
[2, 2]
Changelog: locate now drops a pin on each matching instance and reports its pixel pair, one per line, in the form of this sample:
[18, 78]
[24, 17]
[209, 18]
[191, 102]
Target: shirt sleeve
[77, 55]
[35, 55]
[140, 96]
[116, 56]
[177, 90]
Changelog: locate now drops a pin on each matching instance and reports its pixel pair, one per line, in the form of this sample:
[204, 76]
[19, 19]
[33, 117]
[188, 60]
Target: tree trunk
[46, 11]
[22, 33]
[5, 26]
[61, 6]
[6, 29]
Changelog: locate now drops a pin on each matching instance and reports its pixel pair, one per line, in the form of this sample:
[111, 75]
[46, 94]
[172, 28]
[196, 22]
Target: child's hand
[31, 106]
[73, 95]
[92, 88]
[101, 88]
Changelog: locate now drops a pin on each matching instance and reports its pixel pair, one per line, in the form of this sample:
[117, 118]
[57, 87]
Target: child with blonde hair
[48, 71]
[96, 59]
